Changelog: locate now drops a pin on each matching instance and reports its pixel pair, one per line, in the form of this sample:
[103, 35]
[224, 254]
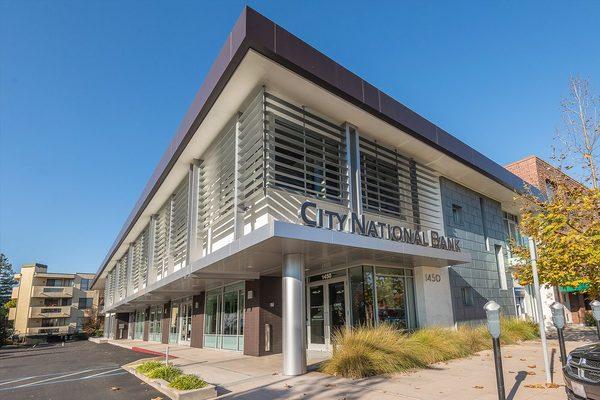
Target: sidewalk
[243, 377]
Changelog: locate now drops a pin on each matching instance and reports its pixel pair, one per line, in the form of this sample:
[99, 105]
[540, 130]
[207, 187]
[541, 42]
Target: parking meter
[596, 314]
[558, 318]
[558, 315]
[492, 312]
[595, 309]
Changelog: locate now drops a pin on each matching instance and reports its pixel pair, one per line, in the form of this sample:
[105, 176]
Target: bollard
[167, 356]
[492, 312]
[558, 318]
[596, 313]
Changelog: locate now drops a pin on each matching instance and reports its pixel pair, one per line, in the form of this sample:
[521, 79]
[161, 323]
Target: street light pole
[492, 313]
[540, 312]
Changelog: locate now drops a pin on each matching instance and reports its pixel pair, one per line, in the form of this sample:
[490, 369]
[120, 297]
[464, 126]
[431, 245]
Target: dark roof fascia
[254, 31]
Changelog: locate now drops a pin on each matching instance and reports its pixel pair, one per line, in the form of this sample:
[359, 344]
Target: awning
[572, 289]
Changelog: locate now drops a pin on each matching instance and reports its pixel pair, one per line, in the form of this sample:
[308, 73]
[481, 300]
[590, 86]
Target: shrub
[187, 382]
[589, 319]
[166, 372]
[148, 366]
[367, 351]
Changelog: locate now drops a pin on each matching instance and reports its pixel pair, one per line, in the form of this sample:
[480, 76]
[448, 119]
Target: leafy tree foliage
[566, 229]
[7, 280]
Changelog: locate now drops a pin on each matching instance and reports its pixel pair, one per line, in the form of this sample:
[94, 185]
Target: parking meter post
[499, 370]
[492, 312]
[596, 314]
[558, 318]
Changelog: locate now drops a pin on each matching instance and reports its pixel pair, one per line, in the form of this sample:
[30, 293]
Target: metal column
[293, 315]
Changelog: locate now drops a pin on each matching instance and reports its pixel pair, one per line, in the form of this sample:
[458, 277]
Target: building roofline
[254, 31]
[523, 159]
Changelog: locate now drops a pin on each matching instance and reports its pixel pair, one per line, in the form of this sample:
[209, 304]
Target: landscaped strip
[157, 370]
[368, 351]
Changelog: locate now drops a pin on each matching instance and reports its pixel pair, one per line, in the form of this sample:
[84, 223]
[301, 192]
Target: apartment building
[544, 176]
[50, 303]
[296, 199]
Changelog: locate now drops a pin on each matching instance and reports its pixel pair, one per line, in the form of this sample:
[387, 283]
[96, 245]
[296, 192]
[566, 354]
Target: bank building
[297, 199]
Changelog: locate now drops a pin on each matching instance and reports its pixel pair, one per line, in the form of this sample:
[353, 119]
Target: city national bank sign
[359, 225]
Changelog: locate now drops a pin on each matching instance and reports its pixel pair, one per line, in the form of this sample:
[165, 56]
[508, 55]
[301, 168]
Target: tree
[566, 225]
[92, 325]
[7, 282]
[7, 279]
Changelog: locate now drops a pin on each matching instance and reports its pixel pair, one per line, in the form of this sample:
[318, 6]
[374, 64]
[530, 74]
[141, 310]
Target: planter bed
[205, 393]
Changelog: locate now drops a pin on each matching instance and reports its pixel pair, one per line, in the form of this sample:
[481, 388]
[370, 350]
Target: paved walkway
[243, 377]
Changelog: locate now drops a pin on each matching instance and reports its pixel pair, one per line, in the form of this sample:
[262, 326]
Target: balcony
[12, 313]
[15, 292]
[49, 312]
[48, 330]
[52, 291]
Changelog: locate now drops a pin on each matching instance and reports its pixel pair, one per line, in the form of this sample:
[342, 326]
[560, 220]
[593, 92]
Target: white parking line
[101, 373]
[51, 379]
[42, 376]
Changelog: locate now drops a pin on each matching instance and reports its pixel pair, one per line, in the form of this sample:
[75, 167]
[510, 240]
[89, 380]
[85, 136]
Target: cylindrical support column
[293, 315]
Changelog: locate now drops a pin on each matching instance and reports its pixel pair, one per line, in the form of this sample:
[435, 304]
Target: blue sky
[91, 92]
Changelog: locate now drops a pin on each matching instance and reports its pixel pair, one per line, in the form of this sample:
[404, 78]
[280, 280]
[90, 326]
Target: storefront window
[395, 297]
[213, 302]
[230, 313]
[361, 292]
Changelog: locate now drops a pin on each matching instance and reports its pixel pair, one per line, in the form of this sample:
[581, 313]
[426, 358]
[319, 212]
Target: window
[511, 226]
[550, 189]
[501, 267]
[57, 302]
[59, 282]
[85, 303]
[457, 214]
[306, 153]
[466, 294]
[49, 322]
[84, 284]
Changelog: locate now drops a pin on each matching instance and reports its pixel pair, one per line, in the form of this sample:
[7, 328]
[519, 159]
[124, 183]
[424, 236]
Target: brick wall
[263, 308]
[197, 320]
[482, 228]
[166, 321]
[537, 172]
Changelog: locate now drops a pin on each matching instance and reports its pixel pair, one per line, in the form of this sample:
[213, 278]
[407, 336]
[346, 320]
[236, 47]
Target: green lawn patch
[368, 351]
[148, 366]
[168, 373]
[187, 382]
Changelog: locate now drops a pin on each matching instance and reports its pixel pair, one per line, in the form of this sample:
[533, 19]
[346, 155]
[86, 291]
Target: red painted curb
[146, 351]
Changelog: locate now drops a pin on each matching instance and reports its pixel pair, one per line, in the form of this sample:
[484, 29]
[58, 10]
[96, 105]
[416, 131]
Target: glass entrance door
[327, 312]
[139, 325]
[185, 323]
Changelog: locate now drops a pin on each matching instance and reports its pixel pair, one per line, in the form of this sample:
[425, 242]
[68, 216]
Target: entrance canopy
[260, 253]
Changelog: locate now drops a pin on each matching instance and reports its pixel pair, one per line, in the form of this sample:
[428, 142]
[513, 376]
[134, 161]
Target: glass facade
[363, 295]
[224, 317]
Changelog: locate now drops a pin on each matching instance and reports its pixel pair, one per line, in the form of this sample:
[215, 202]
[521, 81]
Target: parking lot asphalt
[77, 370]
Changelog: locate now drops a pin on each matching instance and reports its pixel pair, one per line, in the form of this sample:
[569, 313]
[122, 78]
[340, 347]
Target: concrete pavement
[242, 377]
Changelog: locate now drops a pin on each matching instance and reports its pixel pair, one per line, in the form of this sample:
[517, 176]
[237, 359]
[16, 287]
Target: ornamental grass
[368, 351]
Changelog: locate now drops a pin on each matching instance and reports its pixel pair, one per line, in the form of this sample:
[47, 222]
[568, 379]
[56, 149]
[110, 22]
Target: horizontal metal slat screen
[305, 153]
[178, 234]
[161, 239]
[216, 191]
[395, 185]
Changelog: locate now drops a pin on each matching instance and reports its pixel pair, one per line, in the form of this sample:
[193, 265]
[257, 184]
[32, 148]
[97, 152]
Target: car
[582, 373]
